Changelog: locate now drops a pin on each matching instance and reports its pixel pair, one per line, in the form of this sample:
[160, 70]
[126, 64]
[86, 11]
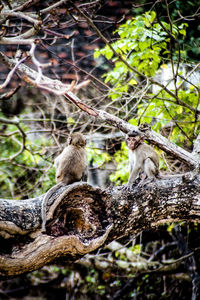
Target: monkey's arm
[63, 164]
[56, 162]
[134, 172]
[56, 165]
[150, 168]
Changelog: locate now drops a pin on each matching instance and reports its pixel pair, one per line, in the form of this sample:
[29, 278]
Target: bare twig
[11, 73]
[15, 41]
[10, 93]
[23, 135]
[39, 65]
[26, 5]
[26, 16]
[47, 9]
[188, 18]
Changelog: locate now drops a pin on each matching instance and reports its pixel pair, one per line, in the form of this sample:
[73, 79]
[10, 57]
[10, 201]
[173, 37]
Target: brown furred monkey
[143, 160]
[71, 166]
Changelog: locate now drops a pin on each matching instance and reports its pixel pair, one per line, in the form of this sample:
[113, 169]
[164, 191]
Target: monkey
[71, 166]
[143, 160]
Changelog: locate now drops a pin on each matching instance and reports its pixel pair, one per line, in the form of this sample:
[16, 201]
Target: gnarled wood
[81, 218]
[77, 223]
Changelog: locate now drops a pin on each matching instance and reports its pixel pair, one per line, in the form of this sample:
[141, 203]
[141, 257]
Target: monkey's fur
[71, 166]
[143, 159]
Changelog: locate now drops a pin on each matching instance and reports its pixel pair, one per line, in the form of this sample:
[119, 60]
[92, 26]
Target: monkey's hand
[129, 186]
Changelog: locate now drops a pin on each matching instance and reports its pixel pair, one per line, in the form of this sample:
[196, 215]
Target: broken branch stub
[79, 210]
[77, 223]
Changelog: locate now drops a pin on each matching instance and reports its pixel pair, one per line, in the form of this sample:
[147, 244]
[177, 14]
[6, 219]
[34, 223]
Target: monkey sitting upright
[71, 166]
[143, 160]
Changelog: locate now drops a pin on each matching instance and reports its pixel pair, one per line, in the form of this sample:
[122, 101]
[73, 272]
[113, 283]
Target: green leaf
[183, 32]
[97, 53]
[70, 120]
[132, 82]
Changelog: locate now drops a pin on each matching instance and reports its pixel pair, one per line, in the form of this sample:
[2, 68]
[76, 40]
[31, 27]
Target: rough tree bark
[81, 218]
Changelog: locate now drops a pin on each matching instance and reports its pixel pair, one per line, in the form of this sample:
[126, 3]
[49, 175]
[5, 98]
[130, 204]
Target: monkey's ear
[69, 140]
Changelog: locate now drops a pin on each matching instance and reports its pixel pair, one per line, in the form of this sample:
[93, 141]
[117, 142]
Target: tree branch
[81, 218]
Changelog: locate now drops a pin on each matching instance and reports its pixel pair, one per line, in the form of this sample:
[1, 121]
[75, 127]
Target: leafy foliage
[97, 156]
[144, 43]
[122, 172]
[20, 176]
[141, 42]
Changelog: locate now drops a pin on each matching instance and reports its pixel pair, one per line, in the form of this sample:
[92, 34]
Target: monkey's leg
[133, 176]
[135, 170]
[149, 170]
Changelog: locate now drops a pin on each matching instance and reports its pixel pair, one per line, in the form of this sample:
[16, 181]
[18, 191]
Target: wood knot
[144, 127]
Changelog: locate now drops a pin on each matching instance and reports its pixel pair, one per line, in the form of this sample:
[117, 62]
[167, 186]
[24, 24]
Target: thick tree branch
[81, 218]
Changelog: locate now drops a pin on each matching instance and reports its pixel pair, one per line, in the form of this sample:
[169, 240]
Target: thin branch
[47, 9]
[188, 18]
[11, 73]
[26, 5]
[10, 93]
[188, 76]
[36, 62]
[23, 135]
[16, 41]
[27, 34]
[21, 15]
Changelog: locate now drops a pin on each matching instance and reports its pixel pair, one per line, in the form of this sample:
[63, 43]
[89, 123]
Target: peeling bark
[81, 218]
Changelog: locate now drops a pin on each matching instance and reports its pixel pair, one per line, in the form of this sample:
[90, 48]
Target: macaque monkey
[71, 166]
[143, 160]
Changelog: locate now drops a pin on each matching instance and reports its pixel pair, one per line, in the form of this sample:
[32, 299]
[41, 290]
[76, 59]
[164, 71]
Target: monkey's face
[132, 142]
